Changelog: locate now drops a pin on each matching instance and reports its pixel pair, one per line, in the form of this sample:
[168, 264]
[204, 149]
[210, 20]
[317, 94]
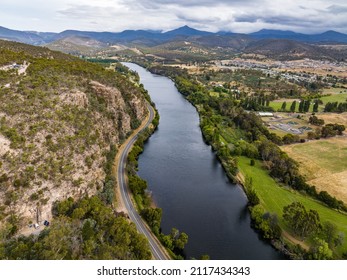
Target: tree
[307, 105]
[315, 106]
[301, 106]
[137, 185]
[181, 241]
[302, 222]
[328, 131]
[320, 250]
[315, 121]
[284, 105]
[153, 218]
[293, 106]
[331, 235]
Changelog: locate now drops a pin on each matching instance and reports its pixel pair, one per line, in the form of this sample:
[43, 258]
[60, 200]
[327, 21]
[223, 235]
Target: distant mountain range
[152, 38]
[188, 43]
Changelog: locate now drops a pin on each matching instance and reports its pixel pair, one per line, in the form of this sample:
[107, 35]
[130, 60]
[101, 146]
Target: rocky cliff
[58, 118]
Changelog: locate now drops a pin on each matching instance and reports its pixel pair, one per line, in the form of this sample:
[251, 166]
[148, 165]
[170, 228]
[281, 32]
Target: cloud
[337, 9]
[310, 16]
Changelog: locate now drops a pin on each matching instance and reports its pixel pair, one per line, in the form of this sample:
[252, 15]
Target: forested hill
[61, 119]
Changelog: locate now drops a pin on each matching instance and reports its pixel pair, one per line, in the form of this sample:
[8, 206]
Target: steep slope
[58, 118]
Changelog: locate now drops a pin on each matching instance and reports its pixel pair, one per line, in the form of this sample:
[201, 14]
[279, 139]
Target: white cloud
[310, 16]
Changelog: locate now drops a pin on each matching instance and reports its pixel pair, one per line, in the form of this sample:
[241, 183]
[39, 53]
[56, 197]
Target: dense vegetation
[86, 229]
[61, 120]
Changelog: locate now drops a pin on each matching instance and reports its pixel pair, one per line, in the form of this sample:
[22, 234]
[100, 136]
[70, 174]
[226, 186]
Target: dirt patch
[293, 240]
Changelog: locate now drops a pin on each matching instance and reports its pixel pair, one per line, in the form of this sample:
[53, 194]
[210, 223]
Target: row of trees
[304, 106]
[336, 107]
[256, 103]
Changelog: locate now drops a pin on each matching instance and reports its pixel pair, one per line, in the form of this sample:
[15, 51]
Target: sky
[242, 16]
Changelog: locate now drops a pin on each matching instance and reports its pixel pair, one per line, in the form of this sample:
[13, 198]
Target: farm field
[323, 163]
[274, 197]
[334, 118]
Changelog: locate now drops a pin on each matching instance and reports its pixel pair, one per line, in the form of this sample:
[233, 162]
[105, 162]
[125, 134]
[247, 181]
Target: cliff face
[58, 117]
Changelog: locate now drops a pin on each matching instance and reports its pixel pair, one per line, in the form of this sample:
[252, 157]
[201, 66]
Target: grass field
[274, 197]
[342, 97]
[277, 105]
[324, 164]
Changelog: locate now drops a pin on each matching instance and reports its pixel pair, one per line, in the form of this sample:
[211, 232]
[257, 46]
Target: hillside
[59, 116]
[283, 49]
[190, 44]
[76, 45]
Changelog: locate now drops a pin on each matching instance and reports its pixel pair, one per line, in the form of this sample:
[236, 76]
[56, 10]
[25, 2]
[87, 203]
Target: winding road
[157, 250]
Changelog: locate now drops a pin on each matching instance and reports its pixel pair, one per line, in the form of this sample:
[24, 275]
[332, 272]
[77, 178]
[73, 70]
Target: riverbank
[119, 203]
[272, 199]
[192, 184]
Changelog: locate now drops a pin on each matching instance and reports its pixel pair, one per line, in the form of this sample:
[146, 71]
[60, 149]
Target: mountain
[283, 49]
[278, 34]
[186, 31]
[87, 42]
[21, 36]
[329, 36]
[234, 41]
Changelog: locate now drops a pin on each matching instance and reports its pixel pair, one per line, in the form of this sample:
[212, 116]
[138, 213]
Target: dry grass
[324, 164]
[334, 118]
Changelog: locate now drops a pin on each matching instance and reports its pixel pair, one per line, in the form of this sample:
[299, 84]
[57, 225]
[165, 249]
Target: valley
[271, 104]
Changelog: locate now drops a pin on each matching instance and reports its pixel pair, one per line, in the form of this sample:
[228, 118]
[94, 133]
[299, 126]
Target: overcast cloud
[310, 16]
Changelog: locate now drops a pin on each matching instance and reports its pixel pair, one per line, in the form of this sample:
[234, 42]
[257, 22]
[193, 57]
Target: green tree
[137, 185]
[302, 222]
[284, 105]
[320, 250]
[331, 235]
[293, 106]
[153, 218]
[181, 241]
[315, 106]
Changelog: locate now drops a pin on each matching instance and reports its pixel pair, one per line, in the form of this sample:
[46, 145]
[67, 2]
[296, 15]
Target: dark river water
[189, 184]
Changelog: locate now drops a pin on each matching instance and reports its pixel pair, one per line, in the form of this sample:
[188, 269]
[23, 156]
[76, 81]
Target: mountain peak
[187, 31]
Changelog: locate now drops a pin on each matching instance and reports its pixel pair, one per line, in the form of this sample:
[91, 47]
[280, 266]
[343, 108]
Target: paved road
[156, 247]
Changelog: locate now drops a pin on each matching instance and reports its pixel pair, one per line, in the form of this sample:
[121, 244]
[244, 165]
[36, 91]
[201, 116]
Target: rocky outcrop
[57, 124]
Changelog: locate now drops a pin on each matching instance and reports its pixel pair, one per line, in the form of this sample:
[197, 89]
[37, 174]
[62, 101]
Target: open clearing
[323, 163]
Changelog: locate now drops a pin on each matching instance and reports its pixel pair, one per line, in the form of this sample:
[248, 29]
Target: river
[189, 183]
